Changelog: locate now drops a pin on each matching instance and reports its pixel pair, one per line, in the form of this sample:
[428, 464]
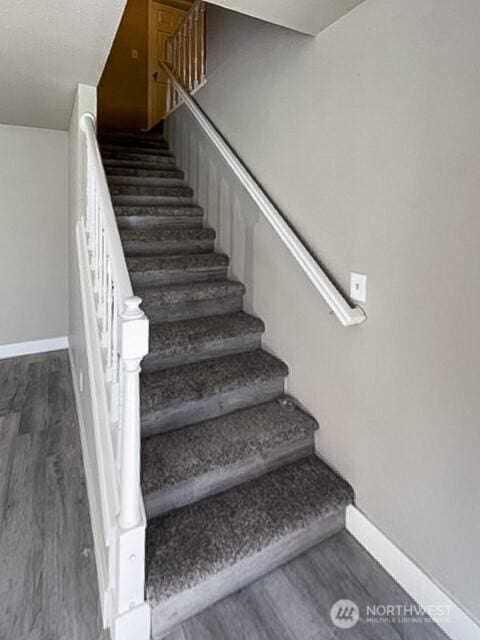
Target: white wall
[33, 234]
[368, 139]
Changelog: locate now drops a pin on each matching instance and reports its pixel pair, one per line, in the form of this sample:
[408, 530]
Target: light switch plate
[134, 54]
[358, 287]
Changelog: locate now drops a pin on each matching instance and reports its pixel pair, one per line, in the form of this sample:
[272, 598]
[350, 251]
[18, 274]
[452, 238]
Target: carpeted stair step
[127, 194]
[175, 397]
[193, 300]
[148, 271]
[117, 173]
[135, 147]
[148, 137]
[138, 161]
[133, 142]
[149, 217]
[203, 552]
[153, 180]
[164, 241]
[176, 343]
[186, 465]
[161, 156]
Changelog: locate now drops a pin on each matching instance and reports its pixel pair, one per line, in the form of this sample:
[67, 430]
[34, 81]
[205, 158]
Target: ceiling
[46, 49]
[307, 16]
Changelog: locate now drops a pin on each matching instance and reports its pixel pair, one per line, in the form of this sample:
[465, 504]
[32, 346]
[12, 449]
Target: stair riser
[129, 172]
[159, 147]
[133, 139]
[159, 503]
[165, 248]
[130, 163]
[145, 158]
[144, 181]
[139, 200]
[156, 222]
[192, 309]
[177, 276]
[141, 149]
[179, 608]
[174, 417]
[156, 361]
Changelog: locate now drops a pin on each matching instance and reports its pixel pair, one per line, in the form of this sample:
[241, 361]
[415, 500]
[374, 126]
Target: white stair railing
[117, 340]
[178, 93]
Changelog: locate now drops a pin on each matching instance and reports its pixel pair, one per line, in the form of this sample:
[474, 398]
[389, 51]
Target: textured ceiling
[46, 48]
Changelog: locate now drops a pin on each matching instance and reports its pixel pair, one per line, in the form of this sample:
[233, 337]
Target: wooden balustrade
[186, 54]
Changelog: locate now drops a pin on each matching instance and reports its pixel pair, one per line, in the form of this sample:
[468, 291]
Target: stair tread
[113, 171]
[178, 456]
[160, 156]
[135, 147]
[167, 234]
[184, 262]
[186, 335]
[179, 191]
[193, 291]
[109, 149]
[141, 135]
[159, 210]
[200, 380]
[190, 545]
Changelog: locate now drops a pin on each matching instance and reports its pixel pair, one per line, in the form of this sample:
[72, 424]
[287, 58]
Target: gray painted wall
[368, 139]
[33, 234]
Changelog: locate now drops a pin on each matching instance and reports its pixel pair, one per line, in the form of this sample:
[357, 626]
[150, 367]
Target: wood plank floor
[48, 586]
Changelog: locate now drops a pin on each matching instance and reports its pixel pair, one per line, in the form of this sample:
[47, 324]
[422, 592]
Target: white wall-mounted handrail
[337, 302]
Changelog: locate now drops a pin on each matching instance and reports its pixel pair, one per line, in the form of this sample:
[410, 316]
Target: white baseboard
[34, 346]
[458, 625]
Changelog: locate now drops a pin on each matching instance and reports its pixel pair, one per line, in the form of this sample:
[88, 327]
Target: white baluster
[174, 63]
[168, 45]
[98, 251]
[93, 239]
[184, 68]
[169, 96]
[195, 38]
[114, 389]
[190, 52]
[202, 40]
[109, 323]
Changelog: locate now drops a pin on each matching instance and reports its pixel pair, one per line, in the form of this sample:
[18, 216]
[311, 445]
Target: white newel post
[133, 614]
[133, 347]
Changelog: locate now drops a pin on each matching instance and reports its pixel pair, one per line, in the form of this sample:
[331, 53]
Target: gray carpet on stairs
[203, 379]
[187, 546]
[228, 454]
[180, 455]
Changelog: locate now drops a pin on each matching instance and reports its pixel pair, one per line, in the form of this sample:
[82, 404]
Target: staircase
[231, 483]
